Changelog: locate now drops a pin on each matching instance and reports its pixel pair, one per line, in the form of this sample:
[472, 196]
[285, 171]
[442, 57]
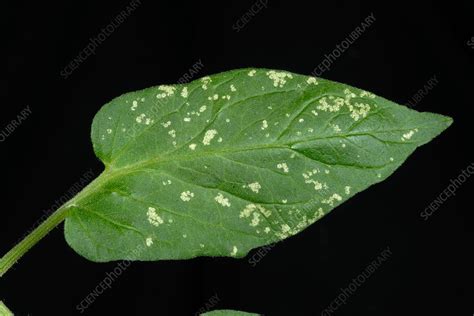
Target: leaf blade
[235, 161]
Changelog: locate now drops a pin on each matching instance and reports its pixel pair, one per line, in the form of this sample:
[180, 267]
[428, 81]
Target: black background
[429, 271]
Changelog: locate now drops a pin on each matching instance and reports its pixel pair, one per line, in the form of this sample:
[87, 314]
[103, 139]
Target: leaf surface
[234, 161]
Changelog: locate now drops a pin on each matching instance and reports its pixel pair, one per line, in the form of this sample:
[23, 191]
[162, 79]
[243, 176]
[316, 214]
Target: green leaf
[228, 312]
[4, 311]
[234, 161]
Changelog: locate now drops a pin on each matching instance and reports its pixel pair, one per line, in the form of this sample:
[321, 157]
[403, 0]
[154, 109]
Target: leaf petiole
[12, 256]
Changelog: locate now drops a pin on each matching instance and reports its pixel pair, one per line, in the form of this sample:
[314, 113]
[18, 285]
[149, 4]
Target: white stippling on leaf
[134, 105]
[167, 91]
[283, 166]
[409, 134]
[347, 189]
[208, 136]
[336, 128]
[184, 92]
[149, 241]
[255, 186]
[166, 124]
[186, 196]
[312, 80]
[332, 199]
[279, 77]
[153, 217]
[219, 198]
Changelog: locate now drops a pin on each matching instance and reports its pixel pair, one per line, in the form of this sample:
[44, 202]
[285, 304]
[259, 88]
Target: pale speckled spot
[409, 134]
[330, 200]
[186, 196]
[219, 198]
[336, 128]
[153, 217]
[312, 80]
[255, 210]
[140, 118]
[205, 81]
[347, 189]
[279, 78]
[167, 91]
[134, 105]
[214, 97]
[255, 187]
[283, 166]
[366, 94]
[208, 136]
[255, 219]
[149, 241]
[184, 92]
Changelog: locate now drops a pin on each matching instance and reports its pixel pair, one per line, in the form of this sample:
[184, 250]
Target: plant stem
[11, 257]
